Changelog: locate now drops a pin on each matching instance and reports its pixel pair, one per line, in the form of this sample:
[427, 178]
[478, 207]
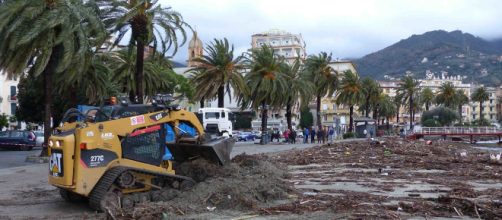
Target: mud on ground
[394, 178]
[388, 178]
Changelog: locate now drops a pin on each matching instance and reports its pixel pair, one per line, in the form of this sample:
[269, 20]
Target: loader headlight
[58, 143]
[51, 143]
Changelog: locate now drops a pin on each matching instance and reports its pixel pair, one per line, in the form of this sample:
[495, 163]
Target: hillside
[452, 53]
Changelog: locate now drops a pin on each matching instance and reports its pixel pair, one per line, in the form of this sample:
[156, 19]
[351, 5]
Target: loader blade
[217, 151]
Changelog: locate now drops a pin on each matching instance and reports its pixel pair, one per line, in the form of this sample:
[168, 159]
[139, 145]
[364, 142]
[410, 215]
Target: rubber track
[103, 186]
[109, 178]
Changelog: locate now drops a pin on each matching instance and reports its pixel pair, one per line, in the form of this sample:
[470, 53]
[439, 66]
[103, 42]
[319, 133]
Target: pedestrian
[331, 132]
[306, 135]
[319, 136]
[292, 136]
[312, 135]
[286, 135]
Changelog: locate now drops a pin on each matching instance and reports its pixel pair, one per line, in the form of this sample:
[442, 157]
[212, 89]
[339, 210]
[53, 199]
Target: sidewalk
[271, 147]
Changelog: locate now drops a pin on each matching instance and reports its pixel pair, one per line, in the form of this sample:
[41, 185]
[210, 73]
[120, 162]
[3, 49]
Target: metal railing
[459, 130]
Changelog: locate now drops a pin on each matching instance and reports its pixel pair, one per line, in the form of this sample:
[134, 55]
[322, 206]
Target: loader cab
[216, 120]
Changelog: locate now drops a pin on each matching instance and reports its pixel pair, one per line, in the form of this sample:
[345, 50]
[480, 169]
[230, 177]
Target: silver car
[40, 138]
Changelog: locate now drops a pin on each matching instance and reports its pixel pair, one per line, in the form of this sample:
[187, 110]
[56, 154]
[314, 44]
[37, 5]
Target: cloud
[345, 28]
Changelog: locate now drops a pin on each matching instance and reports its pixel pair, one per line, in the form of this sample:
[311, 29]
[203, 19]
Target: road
[15, 158]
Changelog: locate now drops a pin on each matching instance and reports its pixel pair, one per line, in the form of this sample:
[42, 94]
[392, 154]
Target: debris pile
[248, 183]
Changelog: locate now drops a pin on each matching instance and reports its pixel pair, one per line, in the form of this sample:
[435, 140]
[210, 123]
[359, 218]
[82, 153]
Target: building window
[334, 106]
[325, 117]
[491, 116]
[13, 91]
[491, 109]
[13, 108]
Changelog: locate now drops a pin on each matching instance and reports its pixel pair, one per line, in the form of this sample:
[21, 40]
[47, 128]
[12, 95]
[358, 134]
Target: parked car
[246, 136]
[22, 140]
[40, 138]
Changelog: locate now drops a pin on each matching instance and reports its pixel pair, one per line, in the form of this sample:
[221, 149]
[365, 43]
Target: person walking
[286, 136]
[292, 136]
[312, 135]
[306, 135]
[319, 136]
[331, 132]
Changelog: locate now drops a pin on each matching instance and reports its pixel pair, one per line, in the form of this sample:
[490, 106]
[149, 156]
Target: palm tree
[480, 95]
[297, 89]
[149, 23]
[48, 37]
[325, 79]
[446, 95]
[409, 89]
[350, 93]
[218, 70]
[398, 102]
[460, 99]
[159, 76]
[371, 91]
[387, 108]
[96, 83]
[427, 96]
[265, 81]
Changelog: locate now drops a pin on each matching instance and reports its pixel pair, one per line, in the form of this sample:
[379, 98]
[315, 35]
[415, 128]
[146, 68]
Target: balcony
[12, 98]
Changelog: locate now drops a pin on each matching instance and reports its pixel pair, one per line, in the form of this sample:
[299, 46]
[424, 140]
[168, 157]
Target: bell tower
[195, 49]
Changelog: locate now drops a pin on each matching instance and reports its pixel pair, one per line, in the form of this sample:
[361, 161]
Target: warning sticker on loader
[137, 120]
[56, 163]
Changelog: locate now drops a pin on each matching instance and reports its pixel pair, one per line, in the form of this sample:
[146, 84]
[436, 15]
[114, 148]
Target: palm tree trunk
[480, 110]
[140, 55]
[48, 84]
[288, 115]
[388, 125]
[221, 97]
[397, 113]
[460, 113]
[411, 112]
[367, 107]
[264, 114]
[318, 111]
[202, 102]
[351, 120]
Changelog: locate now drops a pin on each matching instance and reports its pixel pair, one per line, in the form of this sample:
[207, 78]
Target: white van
[217, 120]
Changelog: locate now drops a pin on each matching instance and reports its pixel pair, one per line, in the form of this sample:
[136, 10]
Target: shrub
[431, 123]
[349, 135]
[444, 116]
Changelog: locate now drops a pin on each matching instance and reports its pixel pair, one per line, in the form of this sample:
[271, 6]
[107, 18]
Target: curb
[36, 159]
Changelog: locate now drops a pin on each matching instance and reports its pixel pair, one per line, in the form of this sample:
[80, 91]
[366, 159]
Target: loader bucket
[216, 150]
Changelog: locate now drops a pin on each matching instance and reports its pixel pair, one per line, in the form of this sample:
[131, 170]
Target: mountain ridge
[440, 52]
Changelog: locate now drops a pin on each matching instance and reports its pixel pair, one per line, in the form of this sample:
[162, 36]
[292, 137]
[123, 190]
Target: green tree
[47, 37]
[158, 76]
[427, 96]
[4, 121]
[325, 79]
[398, 102]
[460, 99]
[387, 108]
[446, 95]
[480, 95]
[371, 91]
[350, 93]
[444, 116]
[265, 81]
[217, 72]
[297, 89]
[408, 90]
[306, 118]
[149, 23]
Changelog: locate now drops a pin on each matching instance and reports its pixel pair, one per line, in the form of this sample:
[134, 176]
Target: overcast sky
[348, 29]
